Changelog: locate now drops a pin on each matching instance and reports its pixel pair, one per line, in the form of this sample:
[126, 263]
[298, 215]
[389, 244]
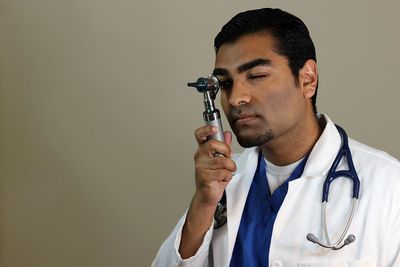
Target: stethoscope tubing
[351, 173]
[325, 228]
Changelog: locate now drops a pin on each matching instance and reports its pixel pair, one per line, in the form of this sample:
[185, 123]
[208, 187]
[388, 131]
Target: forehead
[245, 49]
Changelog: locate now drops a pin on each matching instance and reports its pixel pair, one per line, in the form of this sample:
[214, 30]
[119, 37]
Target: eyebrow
[244, 67]
[220, 71]
[254, 63]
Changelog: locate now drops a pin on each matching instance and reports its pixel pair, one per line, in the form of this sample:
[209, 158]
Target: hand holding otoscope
[209, 87]
[214, 169]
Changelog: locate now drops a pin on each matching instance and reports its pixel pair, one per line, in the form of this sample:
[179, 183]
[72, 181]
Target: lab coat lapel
[300, 211]
[236, 194]
[237, 191]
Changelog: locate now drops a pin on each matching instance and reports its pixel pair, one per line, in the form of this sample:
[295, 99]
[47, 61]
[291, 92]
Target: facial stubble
[247, 141]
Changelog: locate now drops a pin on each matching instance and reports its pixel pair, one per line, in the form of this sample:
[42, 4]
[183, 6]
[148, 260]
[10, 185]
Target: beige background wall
[96, 122]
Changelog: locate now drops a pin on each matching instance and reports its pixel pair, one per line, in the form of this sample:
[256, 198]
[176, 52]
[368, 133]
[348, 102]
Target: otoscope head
[202, 85]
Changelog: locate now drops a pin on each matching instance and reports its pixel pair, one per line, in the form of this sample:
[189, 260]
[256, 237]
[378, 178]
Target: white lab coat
[376, 223]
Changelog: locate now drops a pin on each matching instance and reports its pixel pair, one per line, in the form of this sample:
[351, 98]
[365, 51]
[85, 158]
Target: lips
[245, 118]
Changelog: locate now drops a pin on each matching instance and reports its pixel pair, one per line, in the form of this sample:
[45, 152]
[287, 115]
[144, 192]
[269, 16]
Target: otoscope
[209, 87]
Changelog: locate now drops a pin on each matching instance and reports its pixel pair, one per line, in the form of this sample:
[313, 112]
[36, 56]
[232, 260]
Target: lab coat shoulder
[378, 170]
[380, 158]
[380, 192]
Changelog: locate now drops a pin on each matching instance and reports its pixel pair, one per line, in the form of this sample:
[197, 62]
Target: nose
[239, 94]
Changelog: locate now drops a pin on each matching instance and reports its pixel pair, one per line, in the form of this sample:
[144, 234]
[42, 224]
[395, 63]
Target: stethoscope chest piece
[220, 216]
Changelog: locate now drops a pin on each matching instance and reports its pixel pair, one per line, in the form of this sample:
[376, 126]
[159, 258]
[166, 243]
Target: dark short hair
[292, 38]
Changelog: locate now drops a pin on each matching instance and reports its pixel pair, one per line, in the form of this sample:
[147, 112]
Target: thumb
[228, 138]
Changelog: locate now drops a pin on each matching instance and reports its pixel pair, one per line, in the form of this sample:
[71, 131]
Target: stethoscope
[220, 216]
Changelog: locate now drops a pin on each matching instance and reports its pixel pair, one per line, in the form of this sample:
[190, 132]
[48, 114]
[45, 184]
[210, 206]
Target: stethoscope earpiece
[312, 238]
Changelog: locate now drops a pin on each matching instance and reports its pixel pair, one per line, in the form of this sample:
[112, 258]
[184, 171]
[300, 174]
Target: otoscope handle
[214, 119]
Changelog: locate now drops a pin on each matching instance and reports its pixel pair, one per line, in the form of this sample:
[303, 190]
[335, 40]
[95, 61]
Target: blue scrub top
[255, 231]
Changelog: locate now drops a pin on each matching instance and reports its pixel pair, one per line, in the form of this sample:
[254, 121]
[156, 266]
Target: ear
[309, 78]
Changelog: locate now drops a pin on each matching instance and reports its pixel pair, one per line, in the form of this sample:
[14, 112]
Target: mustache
[236, 112]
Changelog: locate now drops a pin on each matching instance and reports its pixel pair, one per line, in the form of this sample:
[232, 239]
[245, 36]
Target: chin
[247, 141]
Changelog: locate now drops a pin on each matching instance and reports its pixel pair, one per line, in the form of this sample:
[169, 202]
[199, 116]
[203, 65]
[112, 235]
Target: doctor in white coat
[265, 60]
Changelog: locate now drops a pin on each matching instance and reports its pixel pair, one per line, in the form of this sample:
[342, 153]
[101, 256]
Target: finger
[217, 147]
[228, 138]
[219, 175]
[203, 132]
[228, 178]
[221, 163]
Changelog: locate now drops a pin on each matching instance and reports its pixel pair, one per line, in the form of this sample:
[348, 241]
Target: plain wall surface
[96, 121]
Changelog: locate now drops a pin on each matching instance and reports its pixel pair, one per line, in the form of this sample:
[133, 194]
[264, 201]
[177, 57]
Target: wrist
[204, 201]
[199, 219]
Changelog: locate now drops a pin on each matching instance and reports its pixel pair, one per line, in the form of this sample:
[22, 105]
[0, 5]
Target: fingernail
[214, 129]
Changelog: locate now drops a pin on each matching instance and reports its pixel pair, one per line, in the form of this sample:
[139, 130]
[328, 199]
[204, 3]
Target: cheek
[278, 94]
[277, 102]
[224, 101]
[281, 104]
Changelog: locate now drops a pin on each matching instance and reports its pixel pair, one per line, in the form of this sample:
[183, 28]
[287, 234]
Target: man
[265, 60]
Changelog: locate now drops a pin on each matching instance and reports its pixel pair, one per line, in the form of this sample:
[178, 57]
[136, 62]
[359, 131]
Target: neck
[295, 144]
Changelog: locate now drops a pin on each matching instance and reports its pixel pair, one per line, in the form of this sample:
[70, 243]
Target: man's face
[259, 95]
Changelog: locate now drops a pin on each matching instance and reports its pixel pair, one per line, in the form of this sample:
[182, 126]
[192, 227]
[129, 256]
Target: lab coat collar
[324, 151]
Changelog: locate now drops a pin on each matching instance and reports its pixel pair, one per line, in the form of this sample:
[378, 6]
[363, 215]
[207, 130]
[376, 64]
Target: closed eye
[257, 76]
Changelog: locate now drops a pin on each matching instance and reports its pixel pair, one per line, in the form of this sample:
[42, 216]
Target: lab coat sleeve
[168, 254]
[393, 257]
